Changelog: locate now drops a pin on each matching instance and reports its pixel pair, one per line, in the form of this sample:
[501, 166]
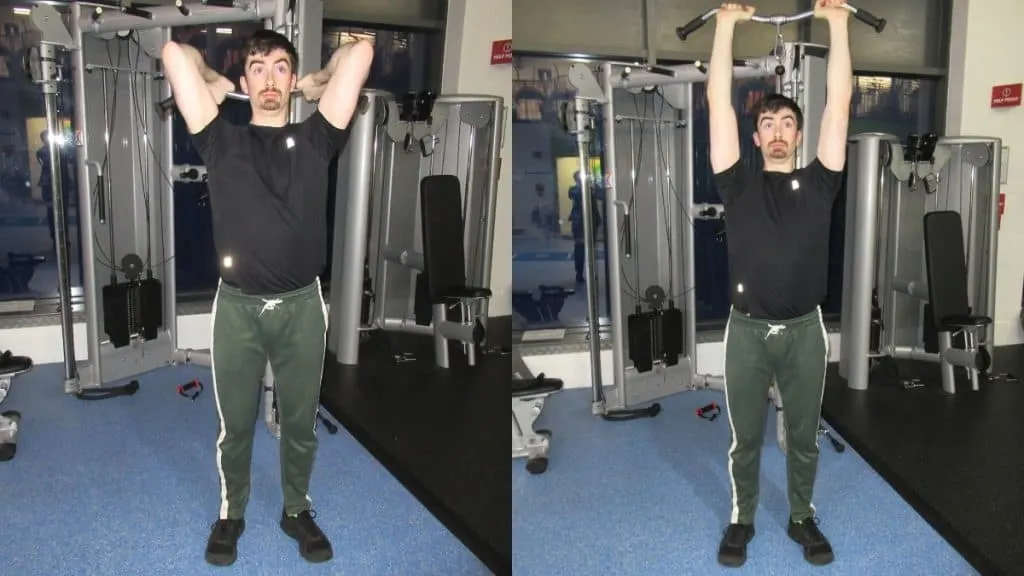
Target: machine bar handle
[778, 20]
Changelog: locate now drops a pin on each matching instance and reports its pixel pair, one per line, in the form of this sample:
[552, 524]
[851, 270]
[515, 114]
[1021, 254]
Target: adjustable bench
[946, 267]
[10, 366]
[528, 396]
[444, 264]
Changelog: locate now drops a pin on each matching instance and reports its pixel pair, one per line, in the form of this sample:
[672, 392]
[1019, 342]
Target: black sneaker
[817, 550]
[222, 547]
[732, 552]
[313, 543]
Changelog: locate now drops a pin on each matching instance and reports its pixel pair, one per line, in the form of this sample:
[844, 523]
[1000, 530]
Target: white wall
[982, 34]
[473, 25]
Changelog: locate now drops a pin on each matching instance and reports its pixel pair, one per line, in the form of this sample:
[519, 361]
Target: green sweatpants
[793, 353]
[290, 330]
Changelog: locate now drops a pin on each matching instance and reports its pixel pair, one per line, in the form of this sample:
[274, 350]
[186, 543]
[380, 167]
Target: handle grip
[868, 18]
[696, 24]
[101, 198]
[627, 224]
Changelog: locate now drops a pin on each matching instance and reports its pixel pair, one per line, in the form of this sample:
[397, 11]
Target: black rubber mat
[442, 433]
[957, 459]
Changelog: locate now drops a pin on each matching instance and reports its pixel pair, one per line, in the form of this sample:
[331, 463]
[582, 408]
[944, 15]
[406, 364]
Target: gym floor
[956, 459]
[651, 497]
[441, 433]
[129, 486]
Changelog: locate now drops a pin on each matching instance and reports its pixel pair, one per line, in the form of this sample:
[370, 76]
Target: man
[268, 193]
[777, 223]
[576, 219]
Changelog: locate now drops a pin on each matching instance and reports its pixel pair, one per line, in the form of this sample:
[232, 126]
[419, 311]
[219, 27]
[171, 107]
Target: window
[28, 267]
[547, 248]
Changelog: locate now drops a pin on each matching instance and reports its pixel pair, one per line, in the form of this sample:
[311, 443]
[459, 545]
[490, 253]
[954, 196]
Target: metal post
[582, 126]
[689, 266]
[491, 208]
[169, 271]
[611, 197]
[354, 229]
[859, 268]
[48, 80]
[85, 220]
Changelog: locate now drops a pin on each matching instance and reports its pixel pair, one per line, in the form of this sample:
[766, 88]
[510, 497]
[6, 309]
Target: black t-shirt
[268, 195]
[777, 227]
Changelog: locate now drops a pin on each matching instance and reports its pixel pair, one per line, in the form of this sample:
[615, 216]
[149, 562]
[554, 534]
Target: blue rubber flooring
[128, 486]
[651, 497]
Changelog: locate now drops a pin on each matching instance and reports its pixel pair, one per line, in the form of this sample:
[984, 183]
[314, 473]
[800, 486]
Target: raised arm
[835, 122]
[725, 135]
[198, 90]
[337, 86]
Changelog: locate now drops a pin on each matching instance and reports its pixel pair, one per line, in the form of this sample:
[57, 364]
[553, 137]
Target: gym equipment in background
[392, 239]
[919, 277]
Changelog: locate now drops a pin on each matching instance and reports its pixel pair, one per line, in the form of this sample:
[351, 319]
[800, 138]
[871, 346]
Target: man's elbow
[362, 57]
[171, 50]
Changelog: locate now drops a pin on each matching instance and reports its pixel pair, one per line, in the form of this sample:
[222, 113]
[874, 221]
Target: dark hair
[772, 103]
[263, 42]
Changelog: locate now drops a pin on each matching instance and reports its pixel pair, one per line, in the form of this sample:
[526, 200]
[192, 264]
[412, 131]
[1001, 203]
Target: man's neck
[272, 121]
[787, 167]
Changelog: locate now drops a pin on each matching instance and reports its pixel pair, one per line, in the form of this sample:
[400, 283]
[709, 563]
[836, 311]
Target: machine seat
[539, 386]
[459, 293]
[444, 253]
[960, 321]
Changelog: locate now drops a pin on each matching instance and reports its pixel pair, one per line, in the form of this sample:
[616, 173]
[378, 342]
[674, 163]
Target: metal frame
[804, 81]
[379, 236]
[885, 250]
[111, 212]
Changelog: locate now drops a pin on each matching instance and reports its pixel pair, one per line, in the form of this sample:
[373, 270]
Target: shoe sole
[221, 561]
[311, 557]
[732, 562]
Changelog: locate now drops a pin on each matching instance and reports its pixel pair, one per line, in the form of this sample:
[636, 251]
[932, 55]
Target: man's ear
[757, 140]
[244, 85]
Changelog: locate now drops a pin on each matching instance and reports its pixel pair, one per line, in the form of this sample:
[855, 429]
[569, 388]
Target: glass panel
[547, 235]
[28, 268]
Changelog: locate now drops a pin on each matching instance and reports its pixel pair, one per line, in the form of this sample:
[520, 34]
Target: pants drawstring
[269, 304]
[774, 330]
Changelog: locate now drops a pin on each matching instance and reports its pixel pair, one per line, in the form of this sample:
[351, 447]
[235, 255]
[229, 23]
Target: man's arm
[724, 131]
[835, 122]
[337, 86]
[198, 90]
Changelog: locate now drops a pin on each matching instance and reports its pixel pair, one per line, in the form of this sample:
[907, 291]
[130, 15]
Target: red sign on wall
[1006, 95]
[1002, 209]
[501, 53]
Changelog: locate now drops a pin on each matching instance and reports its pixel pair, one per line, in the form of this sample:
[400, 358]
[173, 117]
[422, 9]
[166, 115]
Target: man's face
[269, 80]
[777, 135]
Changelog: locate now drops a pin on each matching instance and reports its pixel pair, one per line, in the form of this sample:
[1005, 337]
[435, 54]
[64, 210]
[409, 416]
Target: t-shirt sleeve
[731, 182]
[211, 140]
[324, 137]
[827, 182]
